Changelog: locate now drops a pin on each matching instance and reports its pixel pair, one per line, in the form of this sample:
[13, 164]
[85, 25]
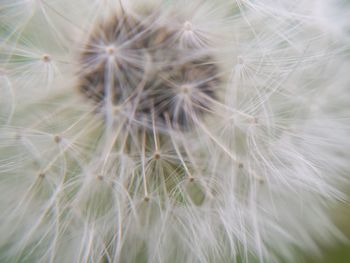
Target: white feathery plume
[171, 131]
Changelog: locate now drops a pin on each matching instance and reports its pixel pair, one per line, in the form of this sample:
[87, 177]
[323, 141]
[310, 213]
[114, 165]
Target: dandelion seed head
[170, 131]
[144, 66]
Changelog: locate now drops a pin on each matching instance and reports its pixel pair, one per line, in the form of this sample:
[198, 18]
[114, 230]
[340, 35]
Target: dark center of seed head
[149, 72]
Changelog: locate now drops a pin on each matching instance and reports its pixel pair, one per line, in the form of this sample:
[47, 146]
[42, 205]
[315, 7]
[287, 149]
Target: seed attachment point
[57, 139]
[46, 58]
[188, 26]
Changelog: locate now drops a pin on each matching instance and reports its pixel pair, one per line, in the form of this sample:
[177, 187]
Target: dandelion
[168, 131]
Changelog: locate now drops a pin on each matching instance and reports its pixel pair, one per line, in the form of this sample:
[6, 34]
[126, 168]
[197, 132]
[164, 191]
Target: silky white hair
[251, 176]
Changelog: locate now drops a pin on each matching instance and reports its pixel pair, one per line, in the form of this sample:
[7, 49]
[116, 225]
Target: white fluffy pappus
[171, 131]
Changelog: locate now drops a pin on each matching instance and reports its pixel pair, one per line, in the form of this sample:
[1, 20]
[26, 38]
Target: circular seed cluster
[140, 67]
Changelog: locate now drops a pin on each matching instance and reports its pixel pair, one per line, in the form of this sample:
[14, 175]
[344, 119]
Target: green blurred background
[337, 252]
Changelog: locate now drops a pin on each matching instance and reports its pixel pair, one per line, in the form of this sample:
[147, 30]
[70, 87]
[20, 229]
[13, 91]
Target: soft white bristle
[171, 131]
